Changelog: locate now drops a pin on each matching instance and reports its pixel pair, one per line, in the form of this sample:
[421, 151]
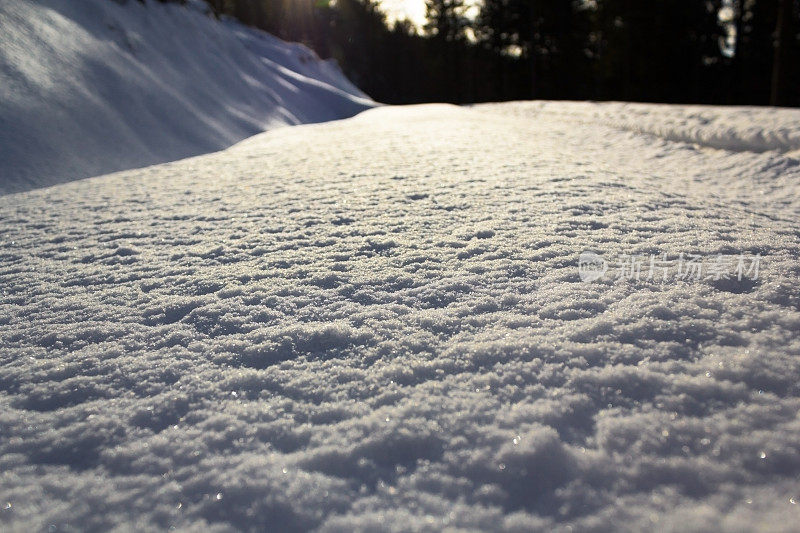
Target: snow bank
[93, 86]
[401, 341]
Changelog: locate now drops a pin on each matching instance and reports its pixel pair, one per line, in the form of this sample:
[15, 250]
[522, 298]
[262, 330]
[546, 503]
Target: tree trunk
[533, 52]
[782, 35]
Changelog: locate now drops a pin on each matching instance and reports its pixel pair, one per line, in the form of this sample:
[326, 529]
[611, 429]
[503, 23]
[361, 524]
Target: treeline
[690, 51]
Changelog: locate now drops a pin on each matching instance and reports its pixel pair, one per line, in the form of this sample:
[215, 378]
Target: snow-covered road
[379, 323]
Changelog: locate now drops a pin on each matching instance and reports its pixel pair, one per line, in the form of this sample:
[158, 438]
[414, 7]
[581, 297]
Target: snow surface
[378, 324]
[94, 86]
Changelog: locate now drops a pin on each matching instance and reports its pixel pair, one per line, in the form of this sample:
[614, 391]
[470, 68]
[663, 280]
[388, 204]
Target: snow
[94, 86]
[378, 324]
[737, 129]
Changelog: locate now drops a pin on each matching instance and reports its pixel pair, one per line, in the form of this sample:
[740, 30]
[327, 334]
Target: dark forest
[675, 51]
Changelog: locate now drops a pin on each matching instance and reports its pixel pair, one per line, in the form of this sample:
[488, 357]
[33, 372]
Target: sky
[413, 10]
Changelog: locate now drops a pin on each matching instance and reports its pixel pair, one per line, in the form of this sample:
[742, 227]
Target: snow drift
[95, 86]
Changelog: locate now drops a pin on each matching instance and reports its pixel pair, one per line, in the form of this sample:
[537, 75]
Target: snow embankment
[96, 86]
[402, 341]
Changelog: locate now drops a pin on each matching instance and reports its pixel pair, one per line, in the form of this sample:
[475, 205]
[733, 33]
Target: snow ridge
[735, 129]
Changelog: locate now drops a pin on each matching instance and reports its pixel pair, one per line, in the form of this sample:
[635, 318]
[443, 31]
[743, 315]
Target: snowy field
[379, 323]
[89, 87]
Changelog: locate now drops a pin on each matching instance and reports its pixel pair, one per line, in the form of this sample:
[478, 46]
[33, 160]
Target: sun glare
[411, 10]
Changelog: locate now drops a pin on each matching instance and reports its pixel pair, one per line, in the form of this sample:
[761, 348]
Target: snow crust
[378, 324]
[94, 86]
